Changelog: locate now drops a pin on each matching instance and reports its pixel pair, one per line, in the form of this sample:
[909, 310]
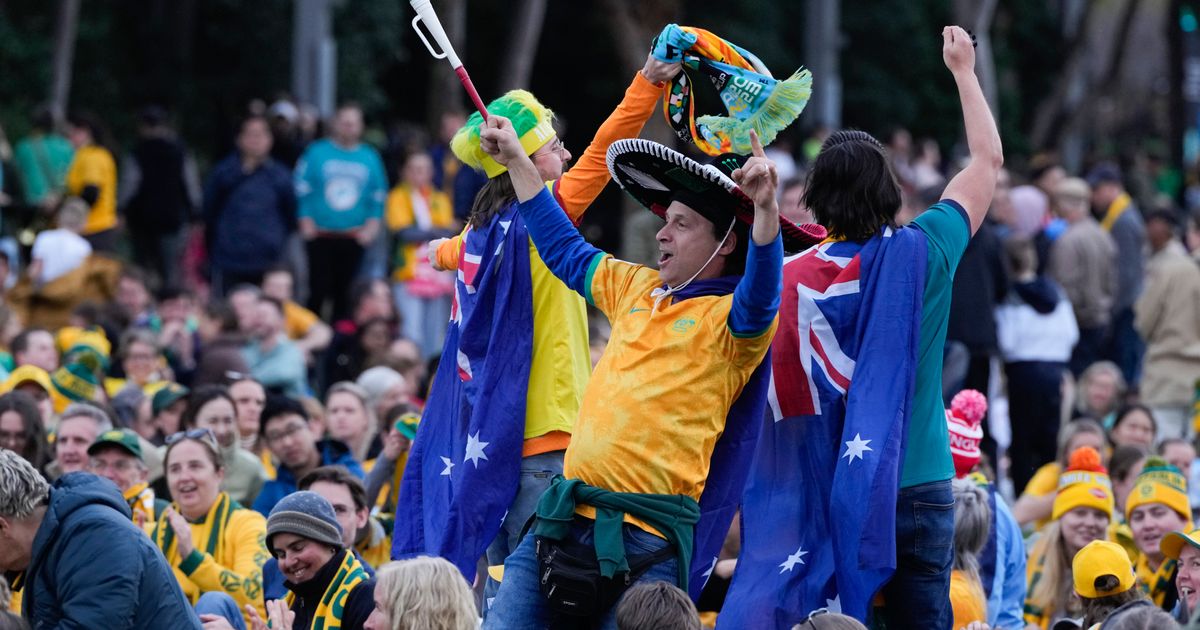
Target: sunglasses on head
[201, 435]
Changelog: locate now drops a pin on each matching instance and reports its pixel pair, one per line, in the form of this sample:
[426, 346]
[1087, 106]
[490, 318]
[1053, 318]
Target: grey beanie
[305, 514]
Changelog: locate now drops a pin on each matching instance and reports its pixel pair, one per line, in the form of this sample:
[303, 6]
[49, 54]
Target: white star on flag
[711, 568]
[449, 464]
[793, 560]
[834, 605]
[475, 449]
[856, 448]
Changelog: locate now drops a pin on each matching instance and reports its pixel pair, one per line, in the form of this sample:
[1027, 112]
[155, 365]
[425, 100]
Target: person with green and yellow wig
[560, 362]
[1157, 506]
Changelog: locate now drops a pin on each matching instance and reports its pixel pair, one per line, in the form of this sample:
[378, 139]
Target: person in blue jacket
[293, 439]
[82, 561]
[249, 210]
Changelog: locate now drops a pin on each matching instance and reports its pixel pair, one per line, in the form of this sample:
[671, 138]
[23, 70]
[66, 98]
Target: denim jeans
[520, 603]
[536, 473]
[221, 605]
[918, 595]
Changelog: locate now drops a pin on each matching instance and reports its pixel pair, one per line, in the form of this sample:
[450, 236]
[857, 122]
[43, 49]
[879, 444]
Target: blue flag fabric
[729, 464]
[465, 464]
[818, 515]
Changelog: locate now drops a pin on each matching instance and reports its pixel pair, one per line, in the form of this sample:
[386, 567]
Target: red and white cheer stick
[426, 14]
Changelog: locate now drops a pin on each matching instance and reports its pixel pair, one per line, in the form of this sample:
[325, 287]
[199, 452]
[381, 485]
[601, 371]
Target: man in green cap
[117, 456]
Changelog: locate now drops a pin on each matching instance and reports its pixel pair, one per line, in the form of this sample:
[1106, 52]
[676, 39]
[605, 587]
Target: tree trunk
[518, 67]
[822, 50]
[445, 93]
[65, 27]
[1052, 114]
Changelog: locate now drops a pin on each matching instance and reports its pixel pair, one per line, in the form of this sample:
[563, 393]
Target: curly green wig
[531, 120]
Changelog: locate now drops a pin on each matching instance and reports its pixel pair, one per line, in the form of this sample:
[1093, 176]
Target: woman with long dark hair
[21, 429]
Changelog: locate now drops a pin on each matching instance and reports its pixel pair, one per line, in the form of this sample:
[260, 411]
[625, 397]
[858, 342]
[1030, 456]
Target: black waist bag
[569, 576]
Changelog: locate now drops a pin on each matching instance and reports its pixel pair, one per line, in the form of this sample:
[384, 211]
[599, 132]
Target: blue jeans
[918, 595]
[536, 473]
[520, 603]
[221, 605]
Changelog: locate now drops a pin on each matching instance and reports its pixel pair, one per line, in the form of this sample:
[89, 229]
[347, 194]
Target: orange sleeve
[448, 252]
[578, 187]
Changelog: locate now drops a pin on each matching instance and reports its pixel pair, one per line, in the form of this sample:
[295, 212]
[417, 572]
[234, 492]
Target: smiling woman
[211, 407]
[211, 541]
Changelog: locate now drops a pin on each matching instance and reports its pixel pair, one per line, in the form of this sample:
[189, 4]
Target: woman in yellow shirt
[416, 214]
[211, 542]
[92, 177]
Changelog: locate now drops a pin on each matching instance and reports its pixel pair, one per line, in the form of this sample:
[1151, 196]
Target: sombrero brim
[653, 174]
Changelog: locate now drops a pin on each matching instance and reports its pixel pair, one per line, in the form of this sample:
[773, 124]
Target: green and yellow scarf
[206, 534]
[329, 612]
[752, 98]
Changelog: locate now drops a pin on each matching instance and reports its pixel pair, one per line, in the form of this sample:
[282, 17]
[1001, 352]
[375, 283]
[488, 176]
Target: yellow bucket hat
[1172, 544]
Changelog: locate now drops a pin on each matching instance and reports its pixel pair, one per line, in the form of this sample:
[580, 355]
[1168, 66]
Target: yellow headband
[531, 141]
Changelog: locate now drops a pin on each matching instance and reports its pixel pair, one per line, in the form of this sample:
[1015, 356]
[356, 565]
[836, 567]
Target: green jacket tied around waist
[674, 515]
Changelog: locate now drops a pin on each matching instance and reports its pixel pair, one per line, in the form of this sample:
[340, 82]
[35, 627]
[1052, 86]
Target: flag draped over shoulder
[819, 512]
[465, 464]
[729, 464]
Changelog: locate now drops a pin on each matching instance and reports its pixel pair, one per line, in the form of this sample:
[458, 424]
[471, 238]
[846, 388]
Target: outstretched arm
[560, 245]
[578, 187]
[973, 187]
[756, 298]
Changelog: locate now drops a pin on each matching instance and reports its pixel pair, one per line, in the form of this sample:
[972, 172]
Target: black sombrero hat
[655, 175]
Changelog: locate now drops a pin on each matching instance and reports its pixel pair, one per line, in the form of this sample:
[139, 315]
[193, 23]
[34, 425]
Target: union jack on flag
[818, 514]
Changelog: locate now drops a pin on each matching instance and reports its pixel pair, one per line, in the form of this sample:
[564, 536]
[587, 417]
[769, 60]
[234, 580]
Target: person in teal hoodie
[340, 187]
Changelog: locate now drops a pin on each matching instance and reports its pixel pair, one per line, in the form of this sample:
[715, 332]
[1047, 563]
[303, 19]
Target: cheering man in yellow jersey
[686, 341]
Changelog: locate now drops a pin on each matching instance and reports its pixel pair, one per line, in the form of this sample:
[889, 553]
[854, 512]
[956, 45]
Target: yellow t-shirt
[1044, 482]
[94, 166]
[561, 362]
[297, 320]
[400, 215]
[659, 397]
[967, 600]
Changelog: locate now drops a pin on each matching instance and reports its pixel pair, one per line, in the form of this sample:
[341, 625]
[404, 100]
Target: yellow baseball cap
[1172, 544]
[1099, 558]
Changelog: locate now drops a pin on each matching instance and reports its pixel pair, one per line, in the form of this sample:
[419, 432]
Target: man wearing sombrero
[649, 475]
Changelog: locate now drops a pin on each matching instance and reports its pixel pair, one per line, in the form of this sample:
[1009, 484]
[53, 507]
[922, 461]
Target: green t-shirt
[927, 446]
[42, 163]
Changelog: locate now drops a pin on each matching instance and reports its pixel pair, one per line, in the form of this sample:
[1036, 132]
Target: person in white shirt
[1036, 331]
[60, 251]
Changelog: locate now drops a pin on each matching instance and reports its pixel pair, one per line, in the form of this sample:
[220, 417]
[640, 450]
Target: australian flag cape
[730, 462]
[819, 511]
[465, 464]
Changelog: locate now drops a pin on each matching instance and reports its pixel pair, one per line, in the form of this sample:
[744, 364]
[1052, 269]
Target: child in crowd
[657, 606]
